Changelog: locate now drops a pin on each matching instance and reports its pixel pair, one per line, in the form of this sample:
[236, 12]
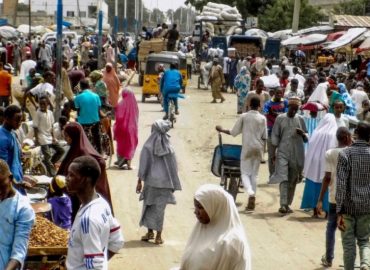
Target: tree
[354, 7]
[279, 15]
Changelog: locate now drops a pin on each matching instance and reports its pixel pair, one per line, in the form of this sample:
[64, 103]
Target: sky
[164, 4]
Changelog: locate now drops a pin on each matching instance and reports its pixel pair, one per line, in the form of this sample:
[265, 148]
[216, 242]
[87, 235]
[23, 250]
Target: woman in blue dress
[242, 85]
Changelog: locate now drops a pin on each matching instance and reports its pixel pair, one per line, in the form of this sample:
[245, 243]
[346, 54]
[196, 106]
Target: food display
[47, 234]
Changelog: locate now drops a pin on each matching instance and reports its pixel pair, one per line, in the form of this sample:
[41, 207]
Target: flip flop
[147, 237]
[158, 241]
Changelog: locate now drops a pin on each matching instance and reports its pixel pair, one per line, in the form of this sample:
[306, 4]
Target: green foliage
[279, 15]
[354, 7]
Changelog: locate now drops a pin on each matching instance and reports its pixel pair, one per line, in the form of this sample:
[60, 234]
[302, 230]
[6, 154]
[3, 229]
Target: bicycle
[171, 112]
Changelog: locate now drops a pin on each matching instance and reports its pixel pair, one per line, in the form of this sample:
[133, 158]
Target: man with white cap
[26, 66]
[288, 137]
[359, 96]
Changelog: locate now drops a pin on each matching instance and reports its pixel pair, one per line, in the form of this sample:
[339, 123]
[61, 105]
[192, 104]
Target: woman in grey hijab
[158, 171]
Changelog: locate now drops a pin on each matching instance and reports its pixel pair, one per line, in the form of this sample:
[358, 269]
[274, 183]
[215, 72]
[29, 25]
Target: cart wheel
[40, 169]
[143, 98]
[223, 181]
[233, 187]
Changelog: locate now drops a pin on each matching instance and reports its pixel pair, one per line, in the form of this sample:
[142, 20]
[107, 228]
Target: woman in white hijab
[323, 139]
[218, 240]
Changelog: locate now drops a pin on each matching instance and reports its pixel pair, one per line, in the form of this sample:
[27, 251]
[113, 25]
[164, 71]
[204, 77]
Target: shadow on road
[306, 219]
[261, 215]
[139, 244]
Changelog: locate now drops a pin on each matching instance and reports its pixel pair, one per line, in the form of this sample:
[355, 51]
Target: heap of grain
[47, 234]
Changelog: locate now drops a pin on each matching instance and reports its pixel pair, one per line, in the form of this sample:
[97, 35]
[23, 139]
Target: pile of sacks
[215, 52]
[219, 12]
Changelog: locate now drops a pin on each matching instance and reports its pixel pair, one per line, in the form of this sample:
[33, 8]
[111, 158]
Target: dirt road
[292, 242]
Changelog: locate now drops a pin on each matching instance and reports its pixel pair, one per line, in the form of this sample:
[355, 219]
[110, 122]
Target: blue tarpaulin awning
[67, 24]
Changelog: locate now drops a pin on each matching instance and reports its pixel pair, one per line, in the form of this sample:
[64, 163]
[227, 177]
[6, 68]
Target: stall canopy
[315, 29]
[305, 40]
[365, 45]
[254, 32]
[336, 35]
[347, 38]
[282, 34]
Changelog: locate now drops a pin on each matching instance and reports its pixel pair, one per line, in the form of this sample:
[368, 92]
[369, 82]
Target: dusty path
[292, 242]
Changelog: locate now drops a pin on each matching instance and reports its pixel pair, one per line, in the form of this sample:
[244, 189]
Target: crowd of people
[314, 126]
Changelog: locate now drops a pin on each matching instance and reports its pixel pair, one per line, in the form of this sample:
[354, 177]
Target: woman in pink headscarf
[126, 128]
[113, 84]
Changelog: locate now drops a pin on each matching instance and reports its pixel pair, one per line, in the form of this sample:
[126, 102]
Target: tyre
[39, 169]
[233, 187]
[141, 80]
[143, 98]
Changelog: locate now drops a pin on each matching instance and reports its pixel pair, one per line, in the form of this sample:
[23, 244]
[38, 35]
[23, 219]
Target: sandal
[147, 237]
[158, 241]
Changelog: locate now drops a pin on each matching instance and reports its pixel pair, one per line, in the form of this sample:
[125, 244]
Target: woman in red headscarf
[81, 146]
[126, 128]
[113, 84]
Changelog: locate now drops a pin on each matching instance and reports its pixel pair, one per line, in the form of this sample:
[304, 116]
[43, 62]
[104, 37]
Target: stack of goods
[246, 49]
[215, 52]
[225, 16]
[153, 45]
[47, 234]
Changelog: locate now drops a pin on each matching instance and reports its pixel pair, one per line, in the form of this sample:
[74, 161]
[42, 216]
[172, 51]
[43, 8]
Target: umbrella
[305, 40]
[347, 38]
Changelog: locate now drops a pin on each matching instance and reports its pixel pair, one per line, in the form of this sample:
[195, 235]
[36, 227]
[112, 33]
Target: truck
[246, 46]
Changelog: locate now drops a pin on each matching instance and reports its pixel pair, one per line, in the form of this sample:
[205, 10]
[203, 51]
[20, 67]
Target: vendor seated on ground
[61, 213]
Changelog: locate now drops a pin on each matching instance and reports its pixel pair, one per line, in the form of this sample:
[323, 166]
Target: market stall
[47, 246]
[48, 242]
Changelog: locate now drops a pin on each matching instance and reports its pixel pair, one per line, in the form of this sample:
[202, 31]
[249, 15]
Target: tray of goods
[47, 239]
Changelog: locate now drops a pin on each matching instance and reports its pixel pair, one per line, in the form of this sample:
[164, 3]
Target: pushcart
[226, 165]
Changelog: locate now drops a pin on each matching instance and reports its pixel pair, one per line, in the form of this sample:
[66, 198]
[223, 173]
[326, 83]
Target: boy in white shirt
[43, 127]
[331, 160]
[96, 235]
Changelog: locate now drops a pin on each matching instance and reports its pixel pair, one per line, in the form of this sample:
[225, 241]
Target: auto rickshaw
[182, 67]
[151, 83]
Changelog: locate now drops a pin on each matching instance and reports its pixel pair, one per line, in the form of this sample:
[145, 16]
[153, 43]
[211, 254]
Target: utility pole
[125, 17]
[115, 31]
[142, 13]
[297, 9]
[29, 20]
[100, 35]
[59, 59]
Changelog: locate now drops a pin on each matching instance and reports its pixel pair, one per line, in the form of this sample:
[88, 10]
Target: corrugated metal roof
[352, 21]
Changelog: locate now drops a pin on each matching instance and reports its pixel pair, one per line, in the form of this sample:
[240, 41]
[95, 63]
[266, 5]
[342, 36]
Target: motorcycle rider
[171, 85]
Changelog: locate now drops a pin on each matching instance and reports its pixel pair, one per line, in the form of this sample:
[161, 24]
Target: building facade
[84, 10]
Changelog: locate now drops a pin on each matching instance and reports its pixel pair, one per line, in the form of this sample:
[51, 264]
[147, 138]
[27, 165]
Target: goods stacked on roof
[219, 18]
[153, 45]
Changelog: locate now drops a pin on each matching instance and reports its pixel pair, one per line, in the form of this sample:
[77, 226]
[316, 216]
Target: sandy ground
[295, 241]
